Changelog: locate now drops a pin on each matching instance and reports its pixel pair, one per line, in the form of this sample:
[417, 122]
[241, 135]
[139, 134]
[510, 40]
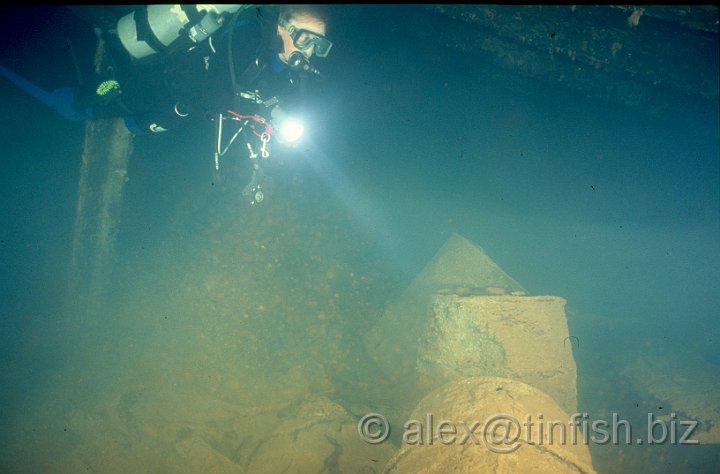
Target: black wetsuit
[180, 84]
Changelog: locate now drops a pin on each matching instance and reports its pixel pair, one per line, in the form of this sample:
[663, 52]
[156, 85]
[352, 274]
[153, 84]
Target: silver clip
[264, 138]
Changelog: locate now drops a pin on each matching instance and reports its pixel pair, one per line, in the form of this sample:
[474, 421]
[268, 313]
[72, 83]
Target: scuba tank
[153, 28]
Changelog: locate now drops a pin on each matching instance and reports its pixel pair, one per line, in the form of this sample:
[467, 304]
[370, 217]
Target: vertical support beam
[101, 184]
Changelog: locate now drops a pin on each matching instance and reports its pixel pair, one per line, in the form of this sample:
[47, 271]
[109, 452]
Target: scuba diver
[170, 64]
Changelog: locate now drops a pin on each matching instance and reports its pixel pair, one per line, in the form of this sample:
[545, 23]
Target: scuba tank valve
[153, 28]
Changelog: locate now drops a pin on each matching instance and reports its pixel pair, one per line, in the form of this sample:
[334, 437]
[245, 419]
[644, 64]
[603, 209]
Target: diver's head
[302, 29]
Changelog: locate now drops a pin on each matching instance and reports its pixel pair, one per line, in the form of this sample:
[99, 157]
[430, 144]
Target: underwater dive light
[290, 129]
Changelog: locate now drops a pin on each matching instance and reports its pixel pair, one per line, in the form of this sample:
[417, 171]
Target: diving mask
[304, 39]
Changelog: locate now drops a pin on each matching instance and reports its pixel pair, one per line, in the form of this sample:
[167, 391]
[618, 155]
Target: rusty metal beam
[635, 56]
